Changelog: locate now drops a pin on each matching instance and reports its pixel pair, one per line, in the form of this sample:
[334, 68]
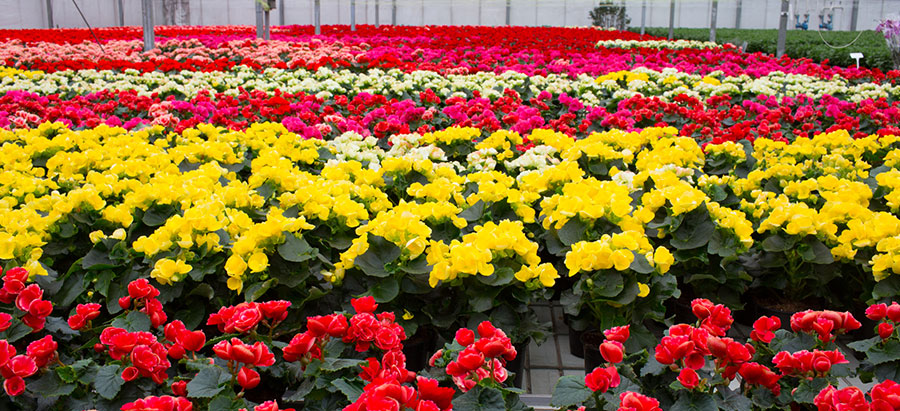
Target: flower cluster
[244, 318]
[28, 299]
[481, 358]
[825, 324]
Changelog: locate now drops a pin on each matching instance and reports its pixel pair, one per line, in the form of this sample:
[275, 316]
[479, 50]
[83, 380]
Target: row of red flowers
[716, 119]
[356, 361]
[533, 51]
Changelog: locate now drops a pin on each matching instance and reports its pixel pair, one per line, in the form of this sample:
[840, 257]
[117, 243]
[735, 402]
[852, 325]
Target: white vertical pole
[508, 11]
[671, 19]
[317, 14]
[377, 10]
[737, 16]
[281, 13]
[121, 14]
[49, 14]
[712, 20]
[147, 14]
[394, 13]
[643, 16]
[782, 27]
[260, 22]
[352, 15]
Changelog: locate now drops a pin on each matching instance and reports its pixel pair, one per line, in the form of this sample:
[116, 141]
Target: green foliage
[799, 44]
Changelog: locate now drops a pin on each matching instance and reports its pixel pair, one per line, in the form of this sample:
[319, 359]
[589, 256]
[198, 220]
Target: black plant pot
[591, 340]
[576, 347]
[419, 348]
[517, 366]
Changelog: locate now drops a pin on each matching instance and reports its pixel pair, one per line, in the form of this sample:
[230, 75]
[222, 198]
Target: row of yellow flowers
[236, 194]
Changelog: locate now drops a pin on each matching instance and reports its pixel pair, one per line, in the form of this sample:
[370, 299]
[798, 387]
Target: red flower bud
[885, 330]
[612, 351]
[125, 302]
[689, 378]
[364, 304]
[179, 388]
[130, 374]
[465, 337]
[893, 312]
[876, 312]
[248, 378]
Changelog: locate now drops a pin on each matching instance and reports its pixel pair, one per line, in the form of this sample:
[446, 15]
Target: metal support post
[479, 12]
[317, 15]
[643, 16]
[508, 11]
[260, 22]
[671, 19]
[147, 14]
[352, 15]
[377, 10]
[394, 14]
[267, 33]
[782, 27]
[281, 13]
[854, 15]
[49, 14]
[121, 14]
[737, 15]
[712, 20]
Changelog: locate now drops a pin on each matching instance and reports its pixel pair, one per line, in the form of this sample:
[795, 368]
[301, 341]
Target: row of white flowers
[326, 83]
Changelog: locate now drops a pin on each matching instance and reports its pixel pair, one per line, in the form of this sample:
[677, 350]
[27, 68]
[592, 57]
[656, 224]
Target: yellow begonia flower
[235, 266]
[258, 262]
[643, 290]
[663, 259]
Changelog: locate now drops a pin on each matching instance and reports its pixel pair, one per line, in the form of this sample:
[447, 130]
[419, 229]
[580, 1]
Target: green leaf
[607, 284]
[352, 391]
[640, 264]
[814, 251]
[888, 371]
[501, 276]
[569, 390]
[296, 249]
[50, 385]
[473, 213]
[694, 231]
[762, 398]
[776, 243]
[732, 400]
[158, 215]
[108, 381]
[881, 354]
[652, 367]
[380, 252]
[807, 390]
[67, 374]
[97, 260]
[385, 290]
[257, 290]
[864, 345]
[206, 384]
[480, 399]
[572, 232]
[133, 322]
[688, 402]
[72, 288]
[16, 331]
[305, 388]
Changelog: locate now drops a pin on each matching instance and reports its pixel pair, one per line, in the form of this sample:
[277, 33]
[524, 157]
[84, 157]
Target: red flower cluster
[885, 396]
[613, 351]
[142, 295]
[847, 399]
[715, 318]
[15, 368]
[758, 374]
[84, 313]
[808, 364]
[148, 357]
[483, 358]
[826, 324]
[236, 352]
[28, 299]
[882, 312]
[366, 328]
[164, 403]
[632, 401]
[245, 317]
[182, 339]
[268, 406]
[391, 395]
[764, 329]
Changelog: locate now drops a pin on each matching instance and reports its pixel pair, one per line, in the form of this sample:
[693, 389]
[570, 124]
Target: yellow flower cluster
[617, 252]
[474, 254]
